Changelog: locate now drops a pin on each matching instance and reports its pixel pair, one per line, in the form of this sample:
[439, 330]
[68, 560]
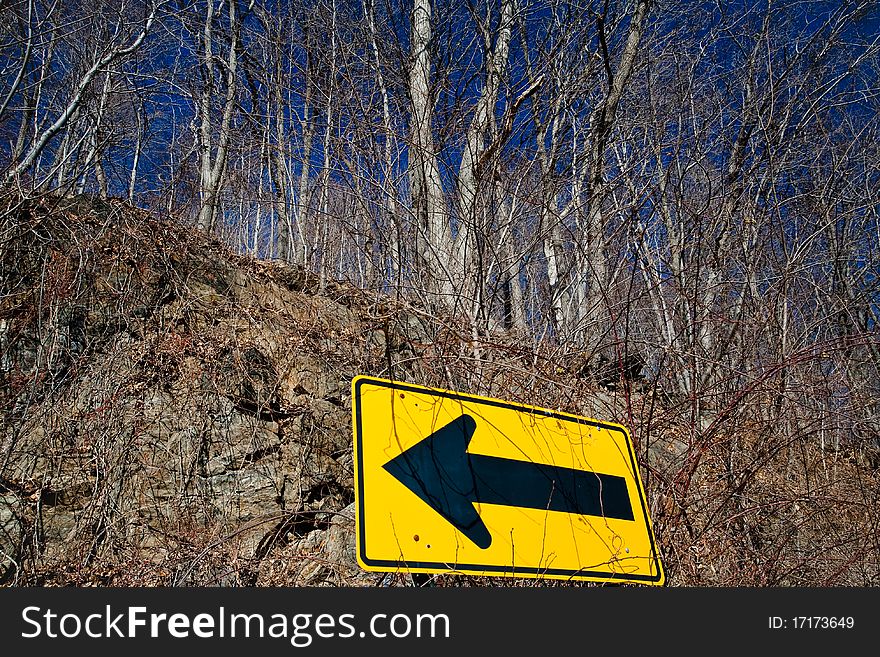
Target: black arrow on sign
[441, 471]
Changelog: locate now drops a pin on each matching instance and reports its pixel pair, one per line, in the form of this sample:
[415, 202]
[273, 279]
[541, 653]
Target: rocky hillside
[176, 414]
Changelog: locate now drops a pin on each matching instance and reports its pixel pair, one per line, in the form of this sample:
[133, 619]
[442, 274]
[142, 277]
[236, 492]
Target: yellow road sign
[451, 482]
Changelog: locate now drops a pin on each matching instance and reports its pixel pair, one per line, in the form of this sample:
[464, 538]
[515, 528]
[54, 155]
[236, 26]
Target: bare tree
[123, 31]
[218, 43]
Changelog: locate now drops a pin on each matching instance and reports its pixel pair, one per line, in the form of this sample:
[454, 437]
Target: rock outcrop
[171, 411]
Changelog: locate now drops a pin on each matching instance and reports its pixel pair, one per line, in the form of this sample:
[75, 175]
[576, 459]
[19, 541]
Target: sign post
[447, 482]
